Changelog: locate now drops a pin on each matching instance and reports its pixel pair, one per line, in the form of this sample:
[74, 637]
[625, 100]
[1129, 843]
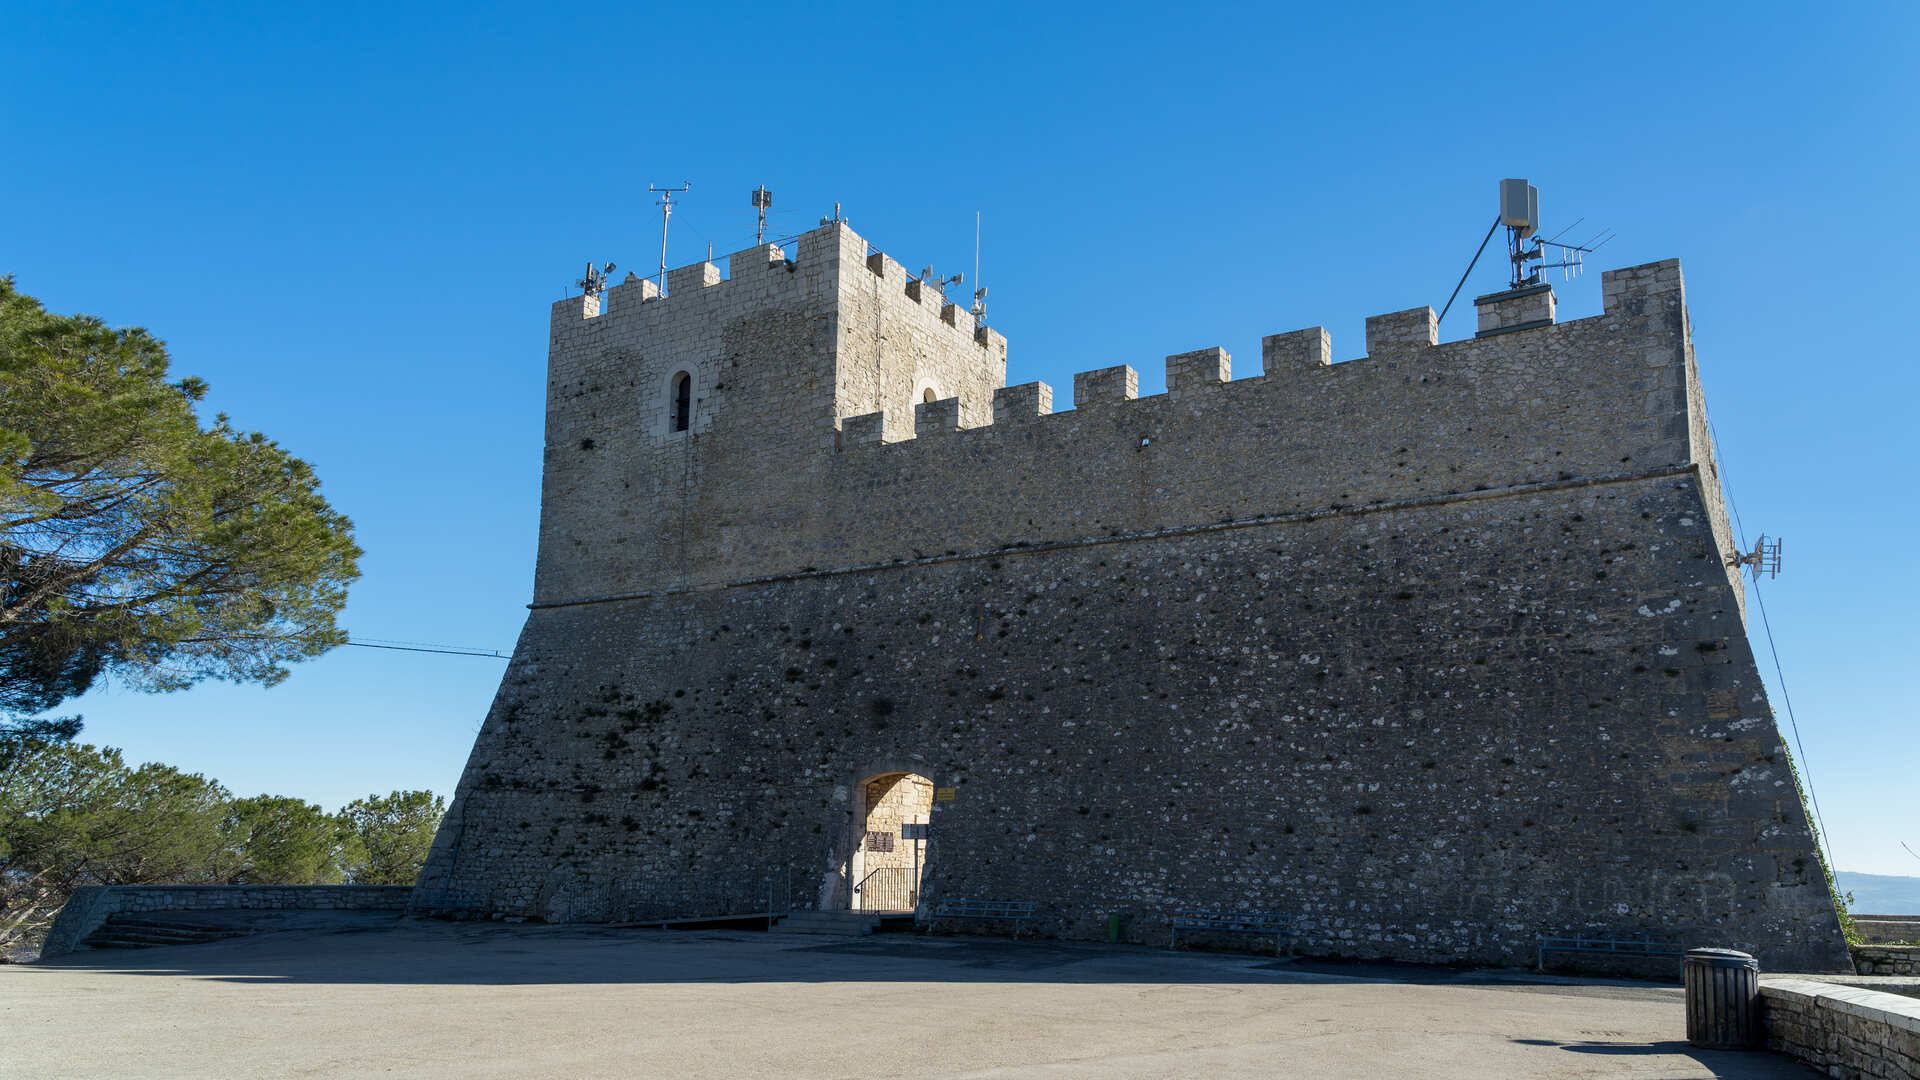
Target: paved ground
[432, 999]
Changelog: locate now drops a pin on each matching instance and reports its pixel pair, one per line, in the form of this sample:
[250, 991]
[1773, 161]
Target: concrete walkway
[427, 999]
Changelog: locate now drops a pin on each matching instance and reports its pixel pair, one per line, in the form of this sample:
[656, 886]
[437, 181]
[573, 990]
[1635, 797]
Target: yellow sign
[943, 794]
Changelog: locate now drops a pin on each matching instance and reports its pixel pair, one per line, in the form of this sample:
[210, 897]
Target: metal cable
[1780, 676]
[450, 650]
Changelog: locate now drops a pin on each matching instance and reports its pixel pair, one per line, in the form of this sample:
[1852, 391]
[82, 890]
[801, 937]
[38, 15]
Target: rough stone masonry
[1436, 650]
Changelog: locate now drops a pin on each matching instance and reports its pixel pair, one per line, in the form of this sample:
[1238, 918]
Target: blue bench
[1017, 912]
[1195, 920]
[1607, 946]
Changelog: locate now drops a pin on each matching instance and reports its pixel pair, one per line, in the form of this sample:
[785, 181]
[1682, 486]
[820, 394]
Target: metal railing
[887, 888]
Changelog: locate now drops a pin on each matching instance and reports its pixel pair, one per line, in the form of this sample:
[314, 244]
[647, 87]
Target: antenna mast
[762, 200]
[979, 308]
[595, 283]
[1520, 213]
[666, 211]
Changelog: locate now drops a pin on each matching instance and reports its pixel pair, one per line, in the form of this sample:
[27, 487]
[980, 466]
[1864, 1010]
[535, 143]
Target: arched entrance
[891, 849]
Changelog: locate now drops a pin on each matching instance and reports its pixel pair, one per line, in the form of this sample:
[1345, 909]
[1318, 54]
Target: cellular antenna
[762, 201]
[595, 281]
[1520, 213]
[666, 212]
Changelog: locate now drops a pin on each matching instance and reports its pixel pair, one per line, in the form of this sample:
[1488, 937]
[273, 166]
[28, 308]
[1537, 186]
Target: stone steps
[136, 932]
[829, 923]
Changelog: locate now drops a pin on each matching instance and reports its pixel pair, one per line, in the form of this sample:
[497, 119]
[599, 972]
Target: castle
[1436, 650]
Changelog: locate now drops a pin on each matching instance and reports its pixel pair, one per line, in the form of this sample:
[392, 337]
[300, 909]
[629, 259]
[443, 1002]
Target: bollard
[1723, 999]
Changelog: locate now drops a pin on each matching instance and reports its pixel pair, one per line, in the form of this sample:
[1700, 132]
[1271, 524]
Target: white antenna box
[1520, 206]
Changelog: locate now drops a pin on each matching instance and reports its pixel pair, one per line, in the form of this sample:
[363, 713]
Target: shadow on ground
[1720, 1063]
[370, 948]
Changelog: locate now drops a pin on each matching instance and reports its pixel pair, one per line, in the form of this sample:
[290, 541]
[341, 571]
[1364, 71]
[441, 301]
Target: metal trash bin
[1723, 999]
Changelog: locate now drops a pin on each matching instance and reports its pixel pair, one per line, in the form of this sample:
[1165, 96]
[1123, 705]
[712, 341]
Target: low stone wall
[1886, 929]
[90, 906]
[1886, 959]
[1843, 1031]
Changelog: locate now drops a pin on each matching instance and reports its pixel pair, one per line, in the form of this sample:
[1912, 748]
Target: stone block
[1202, 367]
[682, 280]
[1526, 308]
[1402, 333]
[936, 417]
[1105, 386]
[1012, 404]
[1309, 348]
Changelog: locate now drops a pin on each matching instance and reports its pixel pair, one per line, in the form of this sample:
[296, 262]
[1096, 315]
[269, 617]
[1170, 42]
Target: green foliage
[276, 840]
[20, 736]
[136, 541]
[1840, 905]
[387, 837]
[74, 815]
[1843, 907]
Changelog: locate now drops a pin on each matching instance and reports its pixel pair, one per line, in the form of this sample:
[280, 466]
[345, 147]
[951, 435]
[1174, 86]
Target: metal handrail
[887, 888]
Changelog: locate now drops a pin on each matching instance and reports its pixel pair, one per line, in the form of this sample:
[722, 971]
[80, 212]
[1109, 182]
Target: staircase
[141, 932]
[829, 923]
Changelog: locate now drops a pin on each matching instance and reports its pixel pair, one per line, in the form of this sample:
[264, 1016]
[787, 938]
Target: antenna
[1764, 558]
[927, 277]
[1520, 213]
[762, 201]
[979, 308]
[666, 211]
[595, 281]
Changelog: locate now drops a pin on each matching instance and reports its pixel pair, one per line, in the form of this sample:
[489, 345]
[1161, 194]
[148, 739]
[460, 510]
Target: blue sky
[351, 220]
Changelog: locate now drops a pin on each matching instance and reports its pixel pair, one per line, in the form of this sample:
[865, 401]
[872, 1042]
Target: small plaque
[943, 794]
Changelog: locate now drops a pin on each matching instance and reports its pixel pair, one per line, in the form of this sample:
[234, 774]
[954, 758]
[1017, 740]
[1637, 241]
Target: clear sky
[351, 220]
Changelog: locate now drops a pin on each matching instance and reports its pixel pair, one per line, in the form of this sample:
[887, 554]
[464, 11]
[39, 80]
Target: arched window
[927, 395]
[682, 401]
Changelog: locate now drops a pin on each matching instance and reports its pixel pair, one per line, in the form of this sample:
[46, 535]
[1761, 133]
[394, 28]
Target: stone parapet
[1887, 929]
[89, 906]
[1843, 1031]
[1886, 959]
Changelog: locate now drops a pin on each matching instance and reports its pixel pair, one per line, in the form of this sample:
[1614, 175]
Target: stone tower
[1436, 650]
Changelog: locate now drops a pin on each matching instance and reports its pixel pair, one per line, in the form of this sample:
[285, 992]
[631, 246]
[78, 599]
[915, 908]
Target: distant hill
[1880, 894]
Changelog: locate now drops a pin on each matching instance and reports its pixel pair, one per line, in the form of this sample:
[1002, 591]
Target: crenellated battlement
[1416, 419]
[816, 403]
[1404, 341]
[759, 268]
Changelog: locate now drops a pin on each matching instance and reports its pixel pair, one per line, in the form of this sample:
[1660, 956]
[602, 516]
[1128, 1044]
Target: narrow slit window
[682, 401]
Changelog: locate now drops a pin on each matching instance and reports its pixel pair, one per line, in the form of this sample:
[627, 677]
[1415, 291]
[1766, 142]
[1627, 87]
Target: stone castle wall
[777, 352]
[1435, 650]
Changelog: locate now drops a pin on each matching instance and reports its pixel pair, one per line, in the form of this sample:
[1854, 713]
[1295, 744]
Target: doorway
[891, 849]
